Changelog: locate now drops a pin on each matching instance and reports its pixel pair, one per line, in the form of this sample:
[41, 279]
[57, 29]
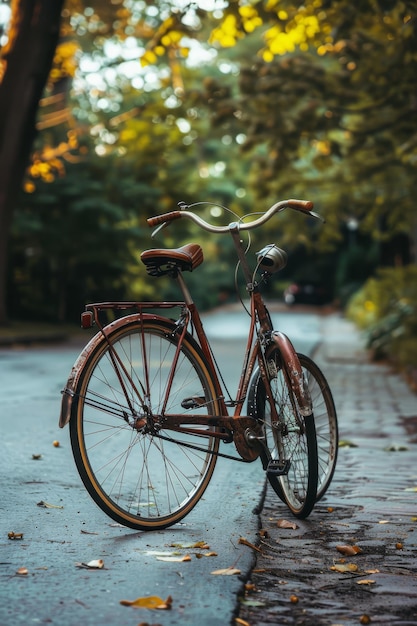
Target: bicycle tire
[292, 440]
[325, 420]
[137, 478]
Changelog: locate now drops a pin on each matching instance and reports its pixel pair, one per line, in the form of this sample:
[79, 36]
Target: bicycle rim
[325, 420]
[139, 479]
[292, 439]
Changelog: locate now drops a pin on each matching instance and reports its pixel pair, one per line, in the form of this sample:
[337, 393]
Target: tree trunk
[24, 68]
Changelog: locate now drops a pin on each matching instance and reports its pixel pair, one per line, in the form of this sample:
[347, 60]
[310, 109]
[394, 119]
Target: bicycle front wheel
[325, 420]
[292, 466]
[142, 477]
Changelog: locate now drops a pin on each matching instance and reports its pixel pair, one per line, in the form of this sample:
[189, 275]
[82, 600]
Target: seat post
[184, 289]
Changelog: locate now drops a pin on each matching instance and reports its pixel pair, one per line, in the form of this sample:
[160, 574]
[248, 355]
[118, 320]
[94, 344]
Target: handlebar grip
[161, 219]
[301, 205]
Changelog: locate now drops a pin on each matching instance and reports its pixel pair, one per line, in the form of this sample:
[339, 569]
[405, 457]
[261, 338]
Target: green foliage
[312, 100]
[386, 308]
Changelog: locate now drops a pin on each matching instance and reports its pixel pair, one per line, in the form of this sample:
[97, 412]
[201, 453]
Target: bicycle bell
[271, 259]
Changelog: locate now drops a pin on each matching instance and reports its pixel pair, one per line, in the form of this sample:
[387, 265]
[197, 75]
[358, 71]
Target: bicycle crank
[248, 438]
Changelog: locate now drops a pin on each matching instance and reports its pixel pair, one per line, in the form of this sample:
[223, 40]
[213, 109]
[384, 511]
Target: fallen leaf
[228, 571]
[241, 622]
[87, 532]
[36, 457]
[344, 567]
[245, 542]
[414, 489]
[283, 523]
[22, 571]
[293, 599]
[174, 559]
[201, 555]
[345, 443]
[348, 550]
[46, 505]
[56, 444]
[383, 521]
[252, 603]
[366, 581]
[396, 447]
[95, 564]
[150, 602]
[399, 545]
[365, 619]
[15, 536]
[372, 571]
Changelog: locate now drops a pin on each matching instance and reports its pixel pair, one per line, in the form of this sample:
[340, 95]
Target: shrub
[386, 308]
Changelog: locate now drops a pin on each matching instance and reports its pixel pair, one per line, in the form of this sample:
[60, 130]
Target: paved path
[372, 504]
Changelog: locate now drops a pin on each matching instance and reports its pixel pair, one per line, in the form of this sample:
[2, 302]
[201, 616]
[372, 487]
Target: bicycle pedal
[193, 403]
[278, 468]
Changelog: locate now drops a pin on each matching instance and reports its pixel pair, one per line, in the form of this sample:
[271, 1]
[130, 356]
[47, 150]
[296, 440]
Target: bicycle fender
[294, 372]
[68, 393]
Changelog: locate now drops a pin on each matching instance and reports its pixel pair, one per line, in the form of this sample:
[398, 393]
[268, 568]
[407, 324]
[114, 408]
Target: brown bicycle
[146, 400]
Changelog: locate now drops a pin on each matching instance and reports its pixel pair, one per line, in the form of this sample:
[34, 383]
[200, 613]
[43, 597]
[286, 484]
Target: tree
[319, 95]
[24, 68]
[327, 104]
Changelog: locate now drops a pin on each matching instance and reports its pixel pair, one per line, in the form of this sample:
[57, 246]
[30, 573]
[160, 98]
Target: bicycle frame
[224, 426]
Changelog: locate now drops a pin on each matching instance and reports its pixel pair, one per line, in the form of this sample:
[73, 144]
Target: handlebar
[303, 206]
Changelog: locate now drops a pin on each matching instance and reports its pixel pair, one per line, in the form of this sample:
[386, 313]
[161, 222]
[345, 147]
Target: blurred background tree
[235, 103]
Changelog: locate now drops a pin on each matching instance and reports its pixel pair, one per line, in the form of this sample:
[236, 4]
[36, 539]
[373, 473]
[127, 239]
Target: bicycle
[146, 405]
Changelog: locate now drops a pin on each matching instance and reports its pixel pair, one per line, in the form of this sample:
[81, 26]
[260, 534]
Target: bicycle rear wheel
[291, 457]
[135, 475]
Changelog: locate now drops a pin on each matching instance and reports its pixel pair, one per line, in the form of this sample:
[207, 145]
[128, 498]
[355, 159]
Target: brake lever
[317, 216]
[158, 229]
[309, 213]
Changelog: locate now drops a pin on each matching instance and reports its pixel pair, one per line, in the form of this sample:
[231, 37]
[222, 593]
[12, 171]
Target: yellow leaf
[344, 567]
[365, 581]
[46, 505]
[94, 564]
[22, 571]
[201, 555]
[345, 443]
[228, 571]
[245, 542]
[283, 523]
[15, 536]
[348, 550]
[150, 602]
[174, 559]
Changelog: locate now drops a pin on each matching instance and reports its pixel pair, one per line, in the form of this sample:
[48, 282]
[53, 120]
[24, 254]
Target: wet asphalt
[295, 578]
[371, 506]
